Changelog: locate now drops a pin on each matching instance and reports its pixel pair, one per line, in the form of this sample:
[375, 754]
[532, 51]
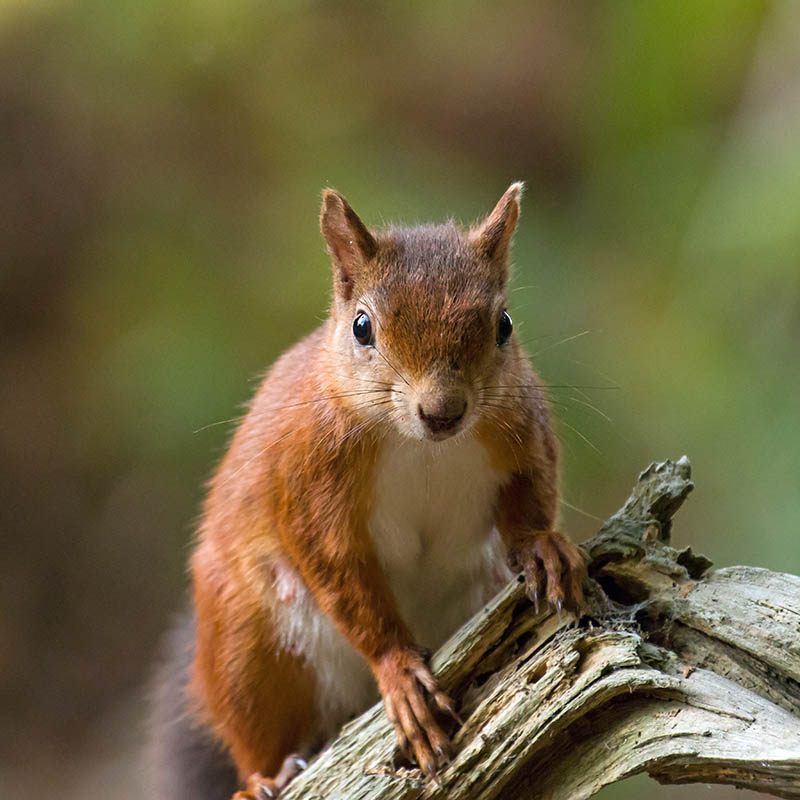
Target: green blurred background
[160, 171]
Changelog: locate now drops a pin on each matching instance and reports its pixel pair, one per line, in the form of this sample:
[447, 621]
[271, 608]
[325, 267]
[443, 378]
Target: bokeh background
[160, 170]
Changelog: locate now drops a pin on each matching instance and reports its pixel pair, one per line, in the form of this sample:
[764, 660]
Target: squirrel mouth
[439, 427]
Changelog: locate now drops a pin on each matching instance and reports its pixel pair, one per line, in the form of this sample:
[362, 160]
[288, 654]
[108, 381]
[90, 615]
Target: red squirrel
[394, 469]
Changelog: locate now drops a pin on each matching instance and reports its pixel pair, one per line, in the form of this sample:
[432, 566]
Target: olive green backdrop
[160, 170]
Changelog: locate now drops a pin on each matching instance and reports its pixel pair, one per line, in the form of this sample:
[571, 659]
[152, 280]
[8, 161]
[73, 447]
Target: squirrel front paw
[404, 680]
[554, 568]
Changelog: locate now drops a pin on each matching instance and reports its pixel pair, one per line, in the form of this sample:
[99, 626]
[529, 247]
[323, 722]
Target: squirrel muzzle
[441, 413]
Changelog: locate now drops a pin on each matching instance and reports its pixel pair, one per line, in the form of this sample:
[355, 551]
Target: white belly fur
[432, 529]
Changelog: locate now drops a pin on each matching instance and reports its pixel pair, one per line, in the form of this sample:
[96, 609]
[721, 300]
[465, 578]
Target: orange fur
[291, 502]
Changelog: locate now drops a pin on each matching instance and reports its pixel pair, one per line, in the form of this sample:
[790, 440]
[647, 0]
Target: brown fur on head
[434, 296]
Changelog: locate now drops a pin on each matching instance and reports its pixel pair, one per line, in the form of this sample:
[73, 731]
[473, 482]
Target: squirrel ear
[349, 242]
[492, 237]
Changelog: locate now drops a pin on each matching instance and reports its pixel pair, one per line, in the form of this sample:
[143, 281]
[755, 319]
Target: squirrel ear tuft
[350, 244]
[492, 237]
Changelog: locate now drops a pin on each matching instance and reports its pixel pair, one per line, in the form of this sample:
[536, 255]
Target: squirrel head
[419, 320]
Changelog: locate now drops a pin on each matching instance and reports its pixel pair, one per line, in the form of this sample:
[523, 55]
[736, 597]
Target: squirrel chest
[431, 524]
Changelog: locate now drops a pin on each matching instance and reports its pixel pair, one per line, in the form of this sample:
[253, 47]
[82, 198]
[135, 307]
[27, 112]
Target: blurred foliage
[160, 172]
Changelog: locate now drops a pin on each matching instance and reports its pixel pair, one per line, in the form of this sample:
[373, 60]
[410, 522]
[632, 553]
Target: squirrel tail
[183, 757]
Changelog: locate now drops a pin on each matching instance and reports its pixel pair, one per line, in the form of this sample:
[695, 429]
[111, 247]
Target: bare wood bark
[683, 673]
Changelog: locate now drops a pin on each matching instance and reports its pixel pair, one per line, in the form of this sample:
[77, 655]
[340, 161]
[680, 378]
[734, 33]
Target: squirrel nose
[444, 415]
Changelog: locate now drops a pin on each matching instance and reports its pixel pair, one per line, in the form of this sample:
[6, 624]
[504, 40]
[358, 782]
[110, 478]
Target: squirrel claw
[431, 771]
[258, 788]
[402, 749]
[553, 566]
[447, 705]
[535, 598]
[261, 788]
[443, 755]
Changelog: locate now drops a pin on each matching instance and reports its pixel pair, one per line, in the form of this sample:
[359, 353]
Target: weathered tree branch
[674, 671]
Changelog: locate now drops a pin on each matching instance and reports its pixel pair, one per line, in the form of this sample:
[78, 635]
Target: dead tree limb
[685, 674]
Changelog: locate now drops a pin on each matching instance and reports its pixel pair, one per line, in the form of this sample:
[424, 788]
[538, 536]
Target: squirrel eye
[504, 328]
[362, 328]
